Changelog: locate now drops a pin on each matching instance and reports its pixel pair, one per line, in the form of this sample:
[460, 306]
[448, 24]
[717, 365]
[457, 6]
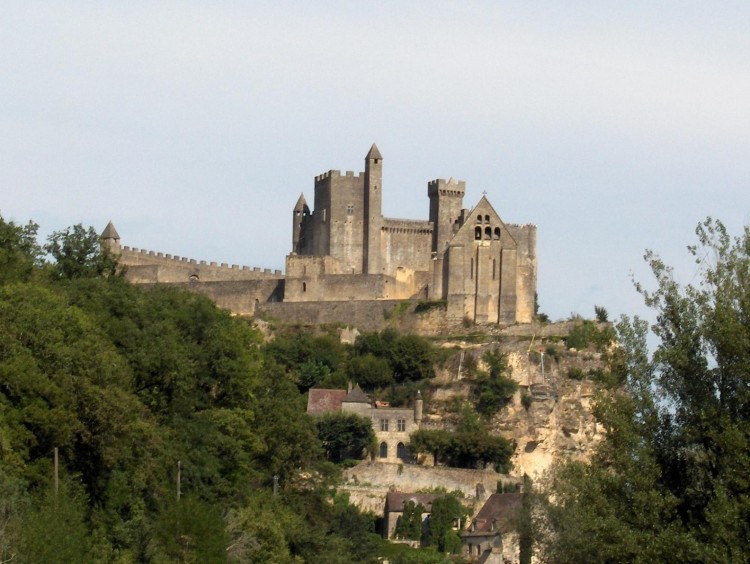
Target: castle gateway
[343, 249]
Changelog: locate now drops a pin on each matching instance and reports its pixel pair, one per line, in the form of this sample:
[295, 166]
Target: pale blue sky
[194, 126]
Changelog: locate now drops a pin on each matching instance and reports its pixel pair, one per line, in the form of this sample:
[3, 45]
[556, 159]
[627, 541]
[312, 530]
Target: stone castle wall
[150, 266]
[241, 297]
[370, 315]
[405, 245]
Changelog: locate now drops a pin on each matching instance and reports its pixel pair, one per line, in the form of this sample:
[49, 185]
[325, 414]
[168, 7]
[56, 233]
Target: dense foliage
[345, 436]
[409, 526]
[128, 385]
[470, 446]
[492, 390]
[670, 481]
[447, 511]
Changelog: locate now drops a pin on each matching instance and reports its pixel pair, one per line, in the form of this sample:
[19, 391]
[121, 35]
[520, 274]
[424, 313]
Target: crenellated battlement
[337, 174]
[391, 225]
[171, 267]
[451, 187]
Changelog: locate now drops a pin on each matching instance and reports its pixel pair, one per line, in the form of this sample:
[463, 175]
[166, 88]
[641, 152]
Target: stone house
[394, 509]
[491, 537]
[391, 425]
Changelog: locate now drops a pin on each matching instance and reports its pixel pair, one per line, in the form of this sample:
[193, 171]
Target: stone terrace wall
[366, 315]
[369, 482]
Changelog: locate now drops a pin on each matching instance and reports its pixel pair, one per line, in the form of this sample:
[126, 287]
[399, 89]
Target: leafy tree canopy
[669, 482]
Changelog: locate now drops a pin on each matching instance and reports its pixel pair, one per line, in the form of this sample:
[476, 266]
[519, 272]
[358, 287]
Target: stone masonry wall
[149, 266]
[369, 482]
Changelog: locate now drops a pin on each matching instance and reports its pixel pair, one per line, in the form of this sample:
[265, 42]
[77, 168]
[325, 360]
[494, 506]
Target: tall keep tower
[446, 201]
[110, 238]
[373, 216]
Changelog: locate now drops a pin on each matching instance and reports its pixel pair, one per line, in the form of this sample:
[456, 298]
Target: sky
[615, 127]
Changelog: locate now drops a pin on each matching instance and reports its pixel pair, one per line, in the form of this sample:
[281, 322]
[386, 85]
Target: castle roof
[110, 232]
[374, 153]
[357, 396]
[320, 400]
[301, 203]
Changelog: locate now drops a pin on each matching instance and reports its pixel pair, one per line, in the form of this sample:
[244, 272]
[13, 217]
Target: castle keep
[344, 250]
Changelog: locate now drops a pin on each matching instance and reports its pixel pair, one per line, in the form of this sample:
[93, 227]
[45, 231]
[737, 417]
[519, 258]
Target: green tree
[55, 530]
[492, 390]
[19, 251]
[189, 531]
[345, 436]
[409, 525]
[78, 253]
[447, 512]
[669, 482]
[370, 372]
[410, 357]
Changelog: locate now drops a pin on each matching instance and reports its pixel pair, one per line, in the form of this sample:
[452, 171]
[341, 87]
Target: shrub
[576, 374]
[526, 400]
[424, 306]
[588, 333]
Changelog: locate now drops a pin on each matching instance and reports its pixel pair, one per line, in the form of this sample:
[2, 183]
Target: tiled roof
[500, 509]
[320, 400]
[357, 396]
[394, 501]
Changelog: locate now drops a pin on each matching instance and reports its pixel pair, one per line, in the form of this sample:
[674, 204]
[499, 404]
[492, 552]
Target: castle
[345, 252]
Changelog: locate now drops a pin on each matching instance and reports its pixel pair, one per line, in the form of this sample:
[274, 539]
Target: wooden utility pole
[57, 473]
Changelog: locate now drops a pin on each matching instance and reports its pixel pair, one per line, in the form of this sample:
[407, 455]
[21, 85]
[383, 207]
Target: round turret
[110, 238]
[418, 408]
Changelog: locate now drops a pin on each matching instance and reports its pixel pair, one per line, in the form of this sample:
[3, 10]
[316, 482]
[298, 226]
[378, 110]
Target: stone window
[486, 219]
[479, 218]
[497, 233]
[471, 269]
[383, 450]
[401, 425]
[494, 268]
[384, 424]
[401, 451]
[477, 233]
[350, 209]
[488, 232]
[304, 286]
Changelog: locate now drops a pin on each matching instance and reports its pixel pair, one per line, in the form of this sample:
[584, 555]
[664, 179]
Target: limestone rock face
[557, 424]
[550, 416]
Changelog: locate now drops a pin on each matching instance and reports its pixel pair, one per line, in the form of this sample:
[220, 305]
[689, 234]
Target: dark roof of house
[357, 396]
[500, 509]
[394, 501]
[320, 400]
